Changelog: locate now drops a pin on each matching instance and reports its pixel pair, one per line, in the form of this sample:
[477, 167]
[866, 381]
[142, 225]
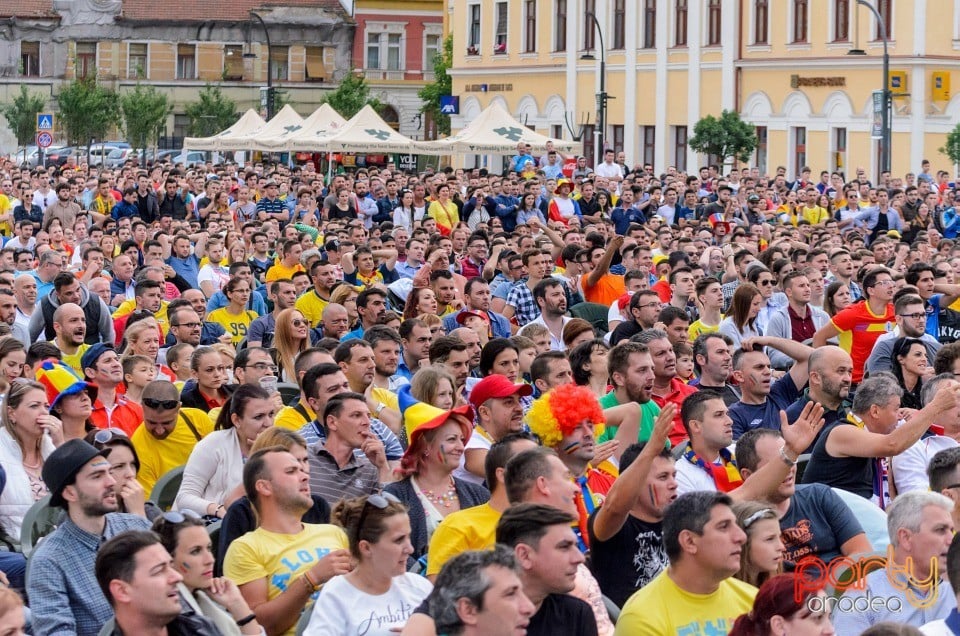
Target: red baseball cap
[496, 386]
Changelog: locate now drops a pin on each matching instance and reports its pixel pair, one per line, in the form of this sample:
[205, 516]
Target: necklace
[442, 499]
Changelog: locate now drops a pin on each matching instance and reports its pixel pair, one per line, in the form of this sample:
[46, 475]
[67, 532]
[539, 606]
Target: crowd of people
[458, 402]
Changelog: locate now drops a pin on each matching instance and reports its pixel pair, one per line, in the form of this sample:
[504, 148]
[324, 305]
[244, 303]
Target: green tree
[952, 146]
[442, 84]
[21, 115]
[727, 137]
[212, 113]
[87, 110]
[145, 110]
[351, 96]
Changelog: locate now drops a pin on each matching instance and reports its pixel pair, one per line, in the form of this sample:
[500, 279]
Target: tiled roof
[190, 10]
[27, 9]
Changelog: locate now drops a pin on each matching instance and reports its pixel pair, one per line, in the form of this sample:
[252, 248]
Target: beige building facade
[784, 65]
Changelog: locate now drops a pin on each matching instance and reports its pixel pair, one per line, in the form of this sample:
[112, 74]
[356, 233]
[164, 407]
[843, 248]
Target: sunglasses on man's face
[160, 405]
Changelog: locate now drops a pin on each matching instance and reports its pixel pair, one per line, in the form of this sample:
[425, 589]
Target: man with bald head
[167, 435]
[70, 327]
[335, 321]
[831, 372]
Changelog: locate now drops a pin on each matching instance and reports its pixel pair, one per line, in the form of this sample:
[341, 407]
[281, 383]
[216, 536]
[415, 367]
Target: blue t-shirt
[188, 267]
[747, 417]
[817, 523]
[932, 307]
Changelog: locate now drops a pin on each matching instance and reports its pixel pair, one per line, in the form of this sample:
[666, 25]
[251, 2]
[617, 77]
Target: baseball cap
[753, 198]
[64, 463]
[90, 357]
[467, 313]
[496, 386]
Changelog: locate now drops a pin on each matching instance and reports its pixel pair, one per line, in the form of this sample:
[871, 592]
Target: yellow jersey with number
[236, 325]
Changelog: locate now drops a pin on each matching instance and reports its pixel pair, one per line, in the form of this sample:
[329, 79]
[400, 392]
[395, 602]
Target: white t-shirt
[343, 610]
[214, 274]
[608, 170]
[476, 441]
[691, 478]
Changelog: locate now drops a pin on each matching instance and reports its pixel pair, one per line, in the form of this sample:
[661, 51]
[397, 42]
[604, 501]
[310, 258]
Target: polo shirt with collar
[679, 390]
[333, 482]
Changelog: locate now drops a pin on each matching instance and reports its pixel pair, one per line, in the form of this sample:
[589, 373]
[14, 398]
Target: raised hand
[799, 435]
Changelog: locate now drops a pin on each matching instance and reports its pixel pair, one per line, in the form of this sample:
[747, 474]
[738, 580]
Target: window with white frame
[619, 24]
[680, 23]
[431, 48]
[186, 61]
[137, 60]
[800, 21]
[384, 50]
[841, 20]
[761, 22]
[530, 26]
[500, 35]
[473, 29]
[885, 8]
[714, 23]
[560, 27]
[650, 24]
[29, 59]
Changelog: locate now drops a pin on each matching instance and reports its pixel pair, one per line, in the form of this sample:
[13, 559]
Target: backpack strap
[193, 429]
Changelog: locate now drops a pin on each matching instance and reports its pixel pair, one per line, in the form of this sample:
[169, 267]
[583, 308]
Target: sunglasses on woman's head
[380, 502]
[179, 516]
[107, 435]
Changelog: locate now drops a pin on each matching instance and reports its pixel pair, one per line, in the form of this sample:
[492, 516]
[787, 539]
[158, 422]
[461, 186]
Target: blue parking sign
[450, 104]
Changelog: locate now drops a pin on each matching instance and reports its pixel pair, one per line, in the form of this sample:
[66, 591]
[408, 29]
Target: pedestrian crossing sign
[44, 121]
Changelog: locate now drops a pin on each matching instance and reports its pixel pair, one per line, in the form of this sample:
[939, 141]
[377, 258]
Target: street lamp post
[266, 33]
[599, 138]
[887, 98]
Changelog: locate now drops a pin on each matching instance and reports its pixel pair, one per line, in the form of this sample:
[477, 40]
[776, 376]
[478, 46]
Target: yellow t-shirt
[157, 457]
[236, 325]
[698, 328]
[291, 419]
[6, 227]
[73, 360]
[662, 608]
[311, 306]
[279, 271]
[471, 529]
[815, 215]
[281, 558]
[128, 306]
[389, 398]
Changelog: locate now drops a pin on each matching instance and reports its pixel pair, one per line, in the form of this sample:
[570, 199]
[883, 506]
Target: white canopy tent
[366, 132]
[322, 123]
[495, 131]
[287, 121]
[249, 124]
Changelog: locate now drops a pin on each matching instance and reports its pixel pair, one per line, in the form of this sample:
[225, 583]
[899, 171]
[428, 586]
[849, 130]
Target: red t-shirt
[679, 391]
[859, 329]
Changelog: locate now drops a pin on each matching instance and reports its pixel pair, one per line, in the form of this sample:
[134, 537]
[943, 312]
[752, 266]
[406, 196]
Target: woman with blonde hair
[292, 337]
[434, 323]
[143, 339]
[434, 386]
[762, 555]
[12, 616]
[29, 434]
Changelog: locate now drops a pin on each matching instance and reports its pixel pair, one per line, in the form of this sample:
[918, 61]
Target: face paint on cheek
[571, 448]
[185, 565]
[653, 496]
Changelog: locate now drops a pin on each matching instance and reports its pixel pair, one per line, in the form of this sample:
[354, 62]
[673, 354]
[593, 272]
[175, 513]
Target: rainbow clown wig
[558, 412]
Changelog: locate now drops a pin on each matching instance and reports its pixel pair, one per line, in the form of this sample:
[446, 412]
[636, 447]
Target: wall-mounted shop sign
[800, 82]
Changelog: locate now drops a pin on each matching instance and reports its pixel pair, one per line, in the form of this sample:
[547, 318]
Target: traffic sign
[44, 139]
[44, 121]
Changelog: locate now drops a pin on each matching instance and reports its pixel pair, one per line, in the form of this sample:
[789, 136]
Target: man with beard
[470, 338]
[814, 520]
[626, 533]
[168, 434]
[70, 327]
[415, 339]
[371, 306]
[476, 294]
[697, 592]
[551, 302]
[631, 374]
[210, 332]
[283, 295]
[25, 291]
[848, 454]
[385, 343]
[829, 369]
[311, 304]
[280, 566]
[8, 315]
[358, 363]
[761, 399]
[450, 353]
[101, 366]
[911, 320]
[496, 401]
[67, 289]
[64, 595]
[711, 360]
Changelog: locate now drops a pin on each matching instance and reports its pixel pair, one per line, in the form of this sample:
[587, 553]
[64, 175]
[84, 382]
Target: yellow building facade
[785, 65]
